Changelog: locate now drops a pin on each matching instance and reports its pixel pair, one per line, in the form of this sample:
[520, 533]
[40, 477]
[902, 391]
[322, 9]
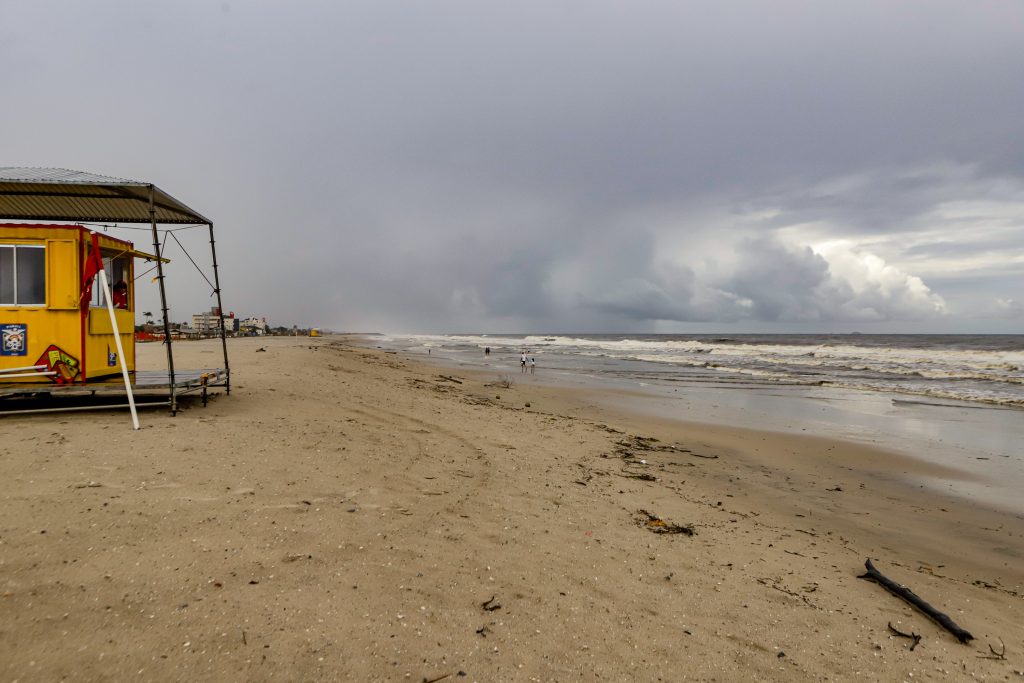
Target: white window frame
[14, 266]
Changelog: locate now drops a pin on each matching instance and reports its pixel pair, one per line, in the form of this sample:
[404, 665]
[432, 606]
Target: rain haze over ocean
[598, 166]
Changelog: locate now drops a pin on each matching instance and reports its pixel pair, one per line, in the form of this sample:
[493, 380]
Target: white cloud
[878, 290]
[767, 280]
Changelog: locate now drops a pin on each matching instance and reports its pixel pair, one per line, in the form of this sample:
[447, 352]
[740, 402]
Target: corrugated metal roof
[58, 194]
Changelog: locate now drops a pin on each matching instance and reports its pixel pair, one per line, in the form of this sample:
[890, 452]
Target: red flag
[93, 265]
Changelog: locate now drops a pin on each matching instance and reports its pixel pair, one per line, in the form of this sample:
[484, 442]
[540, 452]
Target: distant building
[210, 323]
[252, 327]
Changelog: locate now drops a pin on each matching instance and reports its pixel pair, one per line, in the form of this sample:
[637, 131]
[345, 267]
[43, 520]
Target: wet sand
[350, 514]
[980, 441]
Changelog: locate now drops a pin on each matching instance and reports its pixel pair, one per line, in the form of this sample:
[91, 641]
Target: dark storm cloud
[580, 165]
[781, 284]
[886, 200]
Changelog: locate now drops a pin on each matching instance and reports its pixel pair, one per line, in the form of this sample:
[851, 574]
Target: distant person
[120, 294]
[533, 365]
[522, 362]
[487, 350]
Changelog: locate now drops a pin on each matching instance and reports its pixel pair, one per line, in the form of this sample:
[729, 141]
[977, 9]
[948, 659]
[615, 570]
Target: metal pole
[220, 307]
[163, 300]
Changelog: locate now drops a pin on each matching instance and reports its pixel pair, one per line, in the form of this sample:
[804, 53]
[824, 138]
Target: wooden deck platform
[150, 387]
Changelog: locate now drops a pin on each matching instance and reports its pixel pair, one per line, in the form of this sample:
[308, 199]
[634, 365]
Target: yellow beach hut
[67, 294]
[54, 321]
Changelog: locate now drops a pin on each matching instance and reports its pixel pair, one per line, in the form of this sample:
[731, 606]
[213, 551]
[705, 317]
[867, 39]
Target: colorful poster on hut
[64, 364]
[15, 340]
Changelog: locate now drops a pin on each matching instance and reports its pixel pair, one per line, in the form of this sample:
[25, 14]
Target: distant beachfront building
[210, 322]
[252, 326]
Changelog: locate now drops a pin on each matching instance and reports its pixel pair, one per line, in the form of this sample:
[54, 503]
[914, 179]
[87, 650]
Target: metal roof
[58, 194]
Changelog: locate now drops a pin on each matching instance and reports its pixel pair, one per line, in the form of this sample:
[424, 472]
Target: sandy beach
[352, 514]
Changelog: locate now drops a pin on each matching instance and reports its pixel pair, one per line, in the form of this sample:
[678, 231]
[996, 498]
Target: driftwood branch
[1001, 655]
[916, 637]
[905, 593]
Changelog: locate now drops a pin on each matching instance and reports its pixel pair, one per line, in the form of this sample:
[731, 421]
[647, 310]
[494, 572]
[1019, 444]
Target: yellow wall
[44, 328]
[59, 322]
[99, 339]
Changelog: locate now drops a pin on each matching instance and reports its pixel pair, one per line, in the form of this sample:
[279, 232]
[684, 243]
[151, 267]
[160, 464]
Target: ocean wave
[837, 366]
[934, 392]
[995, 361]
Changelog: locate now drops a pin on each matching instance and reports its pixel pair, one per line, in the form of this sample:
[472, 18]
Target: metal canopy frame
[57, 194]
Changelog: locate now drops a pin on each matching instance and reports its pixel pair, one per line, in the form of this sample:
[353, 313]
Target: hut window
[22, 275]
[117, 271]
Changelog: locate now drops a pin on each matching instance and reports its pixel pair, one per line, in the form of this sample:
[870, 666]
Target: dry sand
[349, 514]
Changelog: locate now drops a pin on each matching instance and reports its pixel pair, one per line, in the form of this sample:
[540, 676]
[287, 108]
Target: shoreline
[809, 461]
[937, 369]
[353, 514]
[962, 438]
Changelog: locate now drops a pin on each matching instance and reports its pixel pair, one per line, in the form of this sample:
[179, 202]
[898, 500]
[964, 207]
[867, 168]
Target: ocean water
[986, 369]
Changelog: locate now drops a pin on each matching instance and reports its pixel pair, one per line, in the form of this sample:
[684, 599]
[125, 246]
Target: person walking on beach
[522, 362]
[533, 365]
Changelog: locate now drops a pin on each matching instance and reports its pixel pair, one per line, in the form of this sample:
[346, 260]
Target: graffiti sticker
[64, 364]
[15, 340]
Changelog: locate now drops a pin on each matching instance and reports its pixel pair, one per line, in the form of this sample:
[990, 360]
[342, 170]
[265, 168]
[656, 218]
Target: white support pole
[108, 295]
[26, 367]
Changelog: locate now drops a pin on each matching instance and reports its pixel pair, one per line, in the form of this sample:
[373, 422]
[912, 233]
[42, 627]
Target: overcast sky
[541, 166]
